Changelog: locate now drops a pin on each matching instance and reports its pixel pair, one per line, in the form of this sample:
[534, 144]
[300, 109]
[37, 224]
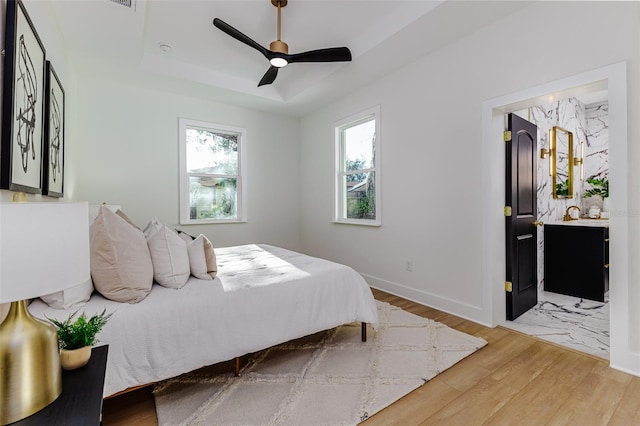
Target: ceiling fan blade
[333, 54]
[220, 24]
[269, 77]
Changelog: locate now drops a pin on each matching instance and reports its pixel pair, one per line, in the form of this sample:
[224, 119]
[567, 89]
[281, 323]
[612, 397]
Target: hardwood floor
[515, 379]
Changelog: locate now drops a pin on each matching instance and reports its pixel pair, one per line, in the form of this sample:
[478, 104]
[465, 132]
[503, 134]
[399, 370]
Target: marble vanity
[576, 258]
[603, 223]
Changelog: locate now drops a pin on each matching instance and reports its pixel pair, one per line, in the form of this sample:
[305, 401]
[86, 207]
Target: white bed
[263, 295]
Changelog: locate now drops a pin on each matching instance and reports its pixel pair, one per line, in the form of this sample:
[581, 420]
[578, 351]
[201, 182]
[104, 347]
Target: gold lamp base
[30, 375]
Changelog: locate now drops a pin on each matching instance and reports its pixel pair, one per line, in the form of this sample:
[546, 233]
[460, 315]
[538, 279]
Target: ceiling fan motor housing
[279, 46]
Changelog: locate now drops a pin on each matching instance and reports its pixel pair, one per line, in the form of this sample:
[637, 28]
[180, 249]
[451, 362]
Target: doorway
[613, 78]
[575, 312]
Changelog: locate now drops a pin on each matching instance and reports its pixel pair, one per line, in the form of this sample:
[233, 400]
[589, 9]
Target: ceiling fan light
[278, 62]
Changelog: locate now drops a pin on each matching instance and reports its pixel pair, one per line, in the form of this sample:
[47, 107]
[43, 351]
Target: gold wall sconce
[579, 161]
[548, 153]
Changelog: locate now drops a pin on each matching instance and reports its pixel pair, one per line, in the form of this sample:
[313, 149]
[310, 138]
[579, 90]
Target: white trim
[451, 306]
[493, 180]
[363, 222]
[353, 120]
[241, 187]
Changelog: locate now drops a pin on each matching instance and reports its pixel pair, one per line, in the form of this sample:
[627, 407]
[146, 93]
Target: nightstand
[80, 402]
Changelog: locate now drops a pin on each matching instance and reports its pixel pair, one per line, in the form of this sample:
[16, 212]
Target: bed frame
[237, 359]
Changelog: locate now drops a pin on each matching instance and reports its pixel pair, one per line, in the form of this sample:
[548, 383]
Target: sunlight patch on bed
[253, 267]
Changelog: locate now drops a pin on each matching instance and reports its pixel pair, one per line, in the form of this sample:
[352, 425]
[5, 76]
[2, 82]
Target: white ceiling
[112, 41]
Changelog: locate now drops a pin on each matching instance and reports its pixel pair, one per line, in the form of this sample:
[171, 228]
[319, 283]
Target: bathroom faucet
[567, 214]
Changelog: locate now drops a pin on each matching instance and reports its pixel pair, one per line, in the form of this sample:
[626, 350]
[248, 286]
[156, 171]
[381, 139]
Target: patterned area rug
[330, 378]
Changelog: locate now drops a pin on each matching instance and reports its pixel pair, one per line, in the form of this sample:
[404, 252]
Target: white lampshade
[44, 248]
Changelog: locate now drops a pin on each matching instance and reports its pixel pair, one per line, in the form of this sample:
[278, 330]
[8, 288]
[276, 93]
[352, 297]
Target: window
[358, 169]
[212, 172]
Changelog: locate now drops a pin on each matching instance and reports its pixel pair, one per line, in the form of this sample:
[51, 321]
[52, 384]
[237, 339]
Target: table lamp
[44, 248]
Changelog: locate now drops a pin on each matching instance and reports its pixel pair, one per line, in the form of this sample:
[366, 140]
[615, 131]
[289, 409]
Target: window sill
[374, 223]
[211, 221]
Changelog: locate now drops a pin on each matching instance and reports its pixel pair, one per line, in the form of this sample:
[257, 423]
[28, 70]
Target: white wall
[432, 153]
[128, 155]
[40, 13]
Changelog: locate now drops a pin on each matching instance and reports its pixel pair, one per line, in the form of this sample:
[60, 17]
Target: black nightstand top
[81, 400]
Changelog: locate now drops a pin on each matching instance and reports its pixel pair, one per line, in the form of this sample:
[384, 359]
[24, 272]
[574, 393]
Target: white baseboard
[627, 362]
[453, 307]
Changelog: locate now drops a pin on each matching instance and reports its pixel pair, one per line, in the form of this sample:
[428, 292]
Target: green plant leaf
[599, 186]
[81, 332]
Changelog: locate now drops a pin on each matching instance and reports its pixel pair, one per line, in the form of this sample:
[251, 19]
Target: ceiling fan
[278, 52]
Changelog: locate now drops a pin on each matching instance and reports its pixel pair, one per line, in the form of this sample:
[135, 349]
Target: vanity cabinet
[576, 260]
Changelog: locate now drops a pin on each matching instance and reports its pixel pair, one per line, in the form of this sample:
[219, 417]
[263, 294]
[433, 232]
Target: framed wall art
[54, 112]
[22, 103]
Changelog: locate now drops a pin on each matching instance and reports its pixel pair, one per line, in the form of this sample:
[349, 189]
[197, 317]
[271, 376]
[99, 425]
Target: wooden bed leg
[364, 331]
[237, 362]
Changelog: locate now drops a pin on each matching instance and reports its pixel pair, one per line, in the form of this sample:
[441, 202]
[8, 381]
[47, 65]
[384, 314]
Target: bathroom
[579, 129]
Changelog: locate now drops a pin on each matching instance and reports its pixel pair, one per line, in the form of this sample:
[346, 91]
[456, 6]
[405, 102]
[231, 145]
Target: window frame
[340, 214]
[241, 182]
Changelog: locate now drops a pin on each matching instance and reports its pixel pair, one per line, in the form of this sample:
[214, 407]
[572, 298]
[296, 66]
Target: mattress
[263, 295]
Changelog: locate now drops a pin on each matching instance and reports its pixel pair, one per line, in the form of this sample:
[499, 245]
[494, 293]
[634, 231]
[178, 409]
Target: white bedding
[263, 295]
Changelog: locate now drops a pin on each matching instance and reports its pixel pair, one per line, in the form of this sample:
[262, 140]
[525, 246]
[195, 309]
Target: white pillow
[168, 254]
[202, 258]
[73, 297]
[121, 266]
[153, 227]
[186, 237]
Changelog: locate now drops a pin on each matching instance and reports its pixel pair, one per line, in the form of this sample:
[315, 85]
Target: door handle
[538, 223]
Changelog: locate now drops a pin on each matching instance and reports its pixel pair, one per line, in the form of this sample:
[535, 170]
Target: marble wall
[589, 124]
[596, 148]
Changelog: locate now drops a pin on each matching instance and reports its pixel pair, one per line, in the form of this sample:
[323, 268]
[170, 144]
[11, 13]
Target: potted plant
[76, 337]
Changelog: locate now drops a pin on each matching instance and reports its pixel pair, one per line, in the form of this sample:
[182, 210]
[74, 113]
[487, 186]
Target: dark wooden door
[521, 231]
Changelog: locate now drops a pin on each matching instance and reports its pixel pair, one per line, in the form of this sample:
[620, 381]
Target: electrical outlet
[409, 266]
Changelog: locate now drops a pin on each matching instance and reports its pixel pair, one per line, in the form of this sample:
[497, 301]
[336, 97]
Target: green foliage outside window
[358, 164]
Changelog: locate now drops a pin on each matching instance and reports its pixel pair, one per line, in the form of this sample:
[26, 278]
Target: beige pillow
[202, 257]
[125, 217]
[168, 254]
[121, 265]
[210, 257]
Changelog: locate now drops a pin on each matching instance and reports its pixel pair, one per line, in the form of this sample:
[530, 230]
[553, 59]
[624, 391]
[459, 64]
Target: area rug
[330, 378]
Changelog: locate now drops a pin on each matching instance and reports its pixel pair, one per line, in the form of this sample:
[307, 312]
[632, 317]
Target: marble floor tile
[577, 323]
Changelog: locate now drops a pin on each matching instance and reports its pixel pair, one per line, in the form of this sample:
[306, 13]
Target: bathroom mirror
[561, 144]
